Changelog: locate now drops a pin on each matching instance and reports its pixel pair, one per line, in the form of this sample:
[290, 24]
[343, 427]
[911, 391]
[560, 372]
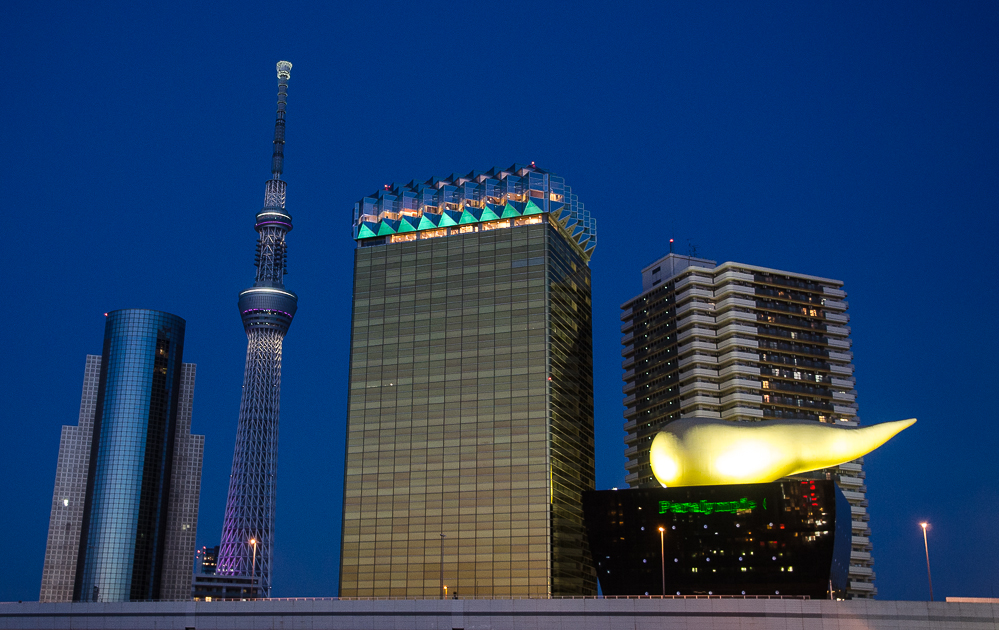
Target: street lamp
[443, 593]
[926, 545]
[253, 572]
[662, 555]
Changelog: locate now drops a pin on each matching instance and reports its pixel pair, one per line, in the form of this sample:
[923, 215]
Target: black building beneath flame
[789, 537]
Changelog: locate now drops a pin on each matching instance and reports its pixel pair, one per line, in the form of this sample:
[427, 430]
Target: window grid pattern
[454, 427]
[743, 343]
[66, 516]
[124, 522]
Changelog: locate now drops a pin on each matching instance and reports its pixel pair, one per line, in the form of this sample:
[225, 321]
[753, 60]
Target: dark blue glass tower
[124, 530]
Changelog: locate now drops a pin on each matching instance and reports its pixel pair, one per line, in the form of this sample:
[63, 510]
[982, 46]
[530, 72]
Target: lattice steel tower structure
[267, 308]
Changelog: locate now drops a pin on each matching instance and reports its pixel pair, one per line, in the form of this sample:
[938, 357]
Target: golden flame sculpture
[707, 452]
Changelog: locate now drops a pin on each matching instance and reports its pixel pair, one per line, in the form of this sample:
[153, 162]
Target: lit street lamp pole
[442, 591]
[926, 545]
[253, 572]
[662, 555]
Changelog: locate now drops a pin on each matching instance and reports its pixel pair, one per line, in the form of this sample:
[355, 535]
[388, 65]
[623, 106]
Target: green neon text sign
[742, 506]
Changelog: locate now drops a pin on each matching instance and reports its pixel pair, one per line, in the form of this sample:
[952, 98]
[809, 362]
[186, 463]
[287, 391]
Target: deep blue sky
[856, 141]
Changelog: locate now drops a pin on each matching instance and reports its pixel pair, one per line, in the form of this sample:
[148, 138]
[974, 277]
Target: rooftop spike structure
[267, 308]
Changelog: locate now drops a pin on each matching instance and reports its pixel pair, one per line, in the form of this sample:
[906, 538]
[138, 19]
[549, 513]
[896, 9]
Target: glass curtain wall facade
[470, 428]
[124, 533]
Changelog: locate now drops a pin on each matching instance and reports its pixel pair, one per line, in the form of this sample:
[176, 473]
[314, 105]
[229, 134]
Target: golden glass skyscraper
[470, 430]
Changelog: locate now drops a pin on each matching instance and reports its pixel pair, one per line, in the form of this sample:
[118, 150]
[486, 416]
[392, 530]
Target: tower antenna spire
[277, 160]
[267, 309]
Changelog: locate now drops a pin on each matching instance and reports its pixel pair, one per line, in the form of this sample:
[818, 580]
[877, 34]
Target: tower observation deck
[267, 309]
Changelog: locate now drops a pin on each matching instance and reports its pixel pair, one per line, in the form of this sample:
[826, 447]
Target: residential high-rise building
[125, 506]
[470, 426]
[743, 343]
[267, 308]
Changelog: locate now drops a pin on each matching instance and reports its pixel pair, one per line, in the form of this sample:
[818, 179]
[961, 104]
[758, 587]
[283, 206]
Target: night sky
[855, 141]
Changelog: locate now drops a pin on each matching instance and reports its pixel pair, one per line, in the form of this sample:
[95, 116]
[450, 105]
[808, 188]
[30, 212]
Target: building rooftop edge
[725, 265]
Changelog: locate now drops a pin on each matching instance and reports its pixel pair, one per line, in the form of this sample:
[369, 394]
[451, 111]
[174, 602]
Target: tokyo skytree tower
[267, 308]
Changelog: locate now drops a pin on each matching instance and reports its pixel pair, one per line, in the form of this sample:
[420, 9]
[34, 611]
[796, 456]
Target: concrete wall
[524, 614]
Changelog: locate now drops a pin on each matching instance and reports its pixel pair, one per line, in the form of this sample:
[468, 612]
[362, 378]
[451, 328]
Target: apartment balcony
[627, 339]
[630, 452]
[699, 399]
[860, 540]
[735, 355]
[703, 346]
[700, 413]
[843, 344]
[630, 425]
[863, 586]
[846, 370]
[631, 464]
[846, 383]
[695, 318]
[693, 279]
[629, 349]
[853, 495]
[850, 466]
[836, 293]
[837, 317]
[860, 555]
[632, 478]
[842, 331]
[858, 526]
[695, 331]
[845, 357]
[628, 325]
[698, 386]
[694, 306]
[733, 301]
[626, 314]
[742, 397]
[835, 305]
[692, 292]
[630, 413]
[698, 372]
[739, 369]
[735, 289]
[844, 411]
[737, 342]
[853, 482]
[629, 375]
[738, 413]
[731, 276]
[736, 328]
[697, 358]
[630, 400]
[844, 396]
[732, 383]
[735, 316]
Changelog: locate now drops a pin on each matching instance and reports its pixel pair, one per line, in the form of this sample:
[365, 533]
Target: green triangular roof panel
[387, 228]
[449, 217]
[429, 221]
[367, 230]
[510, 211]
[408, 224]
[531, 207]
[489, 214]
[470, 215]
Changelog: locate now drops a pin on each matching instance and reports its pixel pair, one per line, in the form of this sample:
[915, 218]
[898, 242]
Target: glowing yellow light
[704, 452]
